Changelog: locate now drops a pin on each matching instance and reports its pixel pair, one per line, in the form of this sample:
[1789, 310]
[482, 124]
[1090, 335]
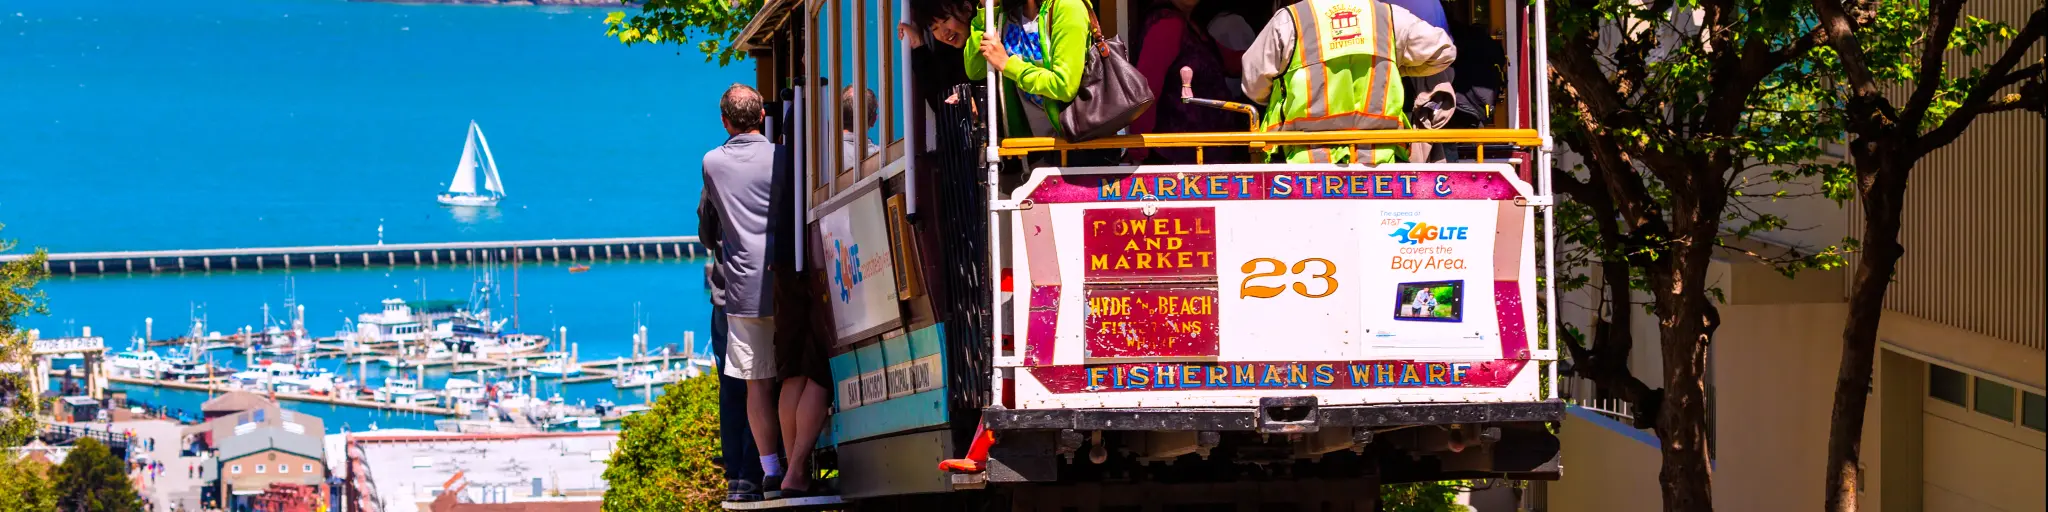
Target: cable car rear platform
[1391, 443]
[1275, 415]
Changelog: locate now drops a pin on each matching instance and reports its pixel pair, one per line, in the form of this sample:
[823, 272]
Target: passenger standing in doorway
[1171, 40]
[1433, 98]
[740, 181]
[1327, 65]
[1040, 49]
[735, 441]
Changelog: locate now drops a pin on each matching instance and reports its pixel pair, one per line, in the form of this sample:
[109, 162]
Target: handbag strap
[1095, 31]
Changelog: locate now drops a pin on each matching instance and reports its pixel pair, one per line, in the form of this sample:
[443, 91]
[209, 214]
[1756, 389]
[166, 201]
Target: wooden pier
[380, 255]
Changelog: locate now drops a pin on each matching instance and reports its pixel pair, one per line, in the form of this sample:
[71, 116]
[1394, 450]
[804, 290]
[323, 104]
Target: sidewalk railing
[1583, 393]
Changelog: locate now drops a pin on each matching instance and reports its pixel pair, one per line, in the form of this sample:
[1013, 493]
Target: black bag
[1112, 93]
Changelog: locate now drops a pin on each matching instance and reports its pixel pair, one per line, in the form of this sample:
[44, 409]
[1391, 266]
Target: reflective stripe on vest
[1342, 74]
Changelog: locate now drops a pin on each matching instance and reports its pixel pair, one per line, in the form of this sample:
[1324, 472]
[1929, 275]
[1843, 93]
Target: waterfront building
[248, 464]
[78, 409]
[231, 402]
[212, 433]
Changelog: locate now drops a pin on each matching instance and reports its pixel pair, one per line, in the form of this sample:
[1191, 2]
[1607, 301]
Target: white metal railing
[1583, 393]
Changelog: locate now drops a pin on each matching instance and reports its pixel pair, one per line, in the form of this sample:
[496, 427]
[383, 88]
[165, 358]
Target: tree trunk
[1686, 475]
[1687, 321]
[1883, 201]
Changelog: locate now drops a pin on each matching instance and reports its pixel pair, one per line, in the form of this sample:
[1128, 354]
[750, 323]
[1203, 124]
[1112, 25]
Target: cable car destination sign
[1406, 280]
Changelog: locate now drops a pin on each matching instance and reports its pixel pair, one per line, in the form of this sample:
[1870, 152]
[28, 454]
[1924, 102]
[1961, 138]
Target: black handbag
[1112, 93]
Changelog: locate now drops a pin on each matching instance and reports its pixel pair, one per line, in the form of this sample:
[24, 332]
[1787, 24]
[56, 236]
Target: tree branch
[1933, 55]
[1841, 32]
[1996, 77]
[1605, 361]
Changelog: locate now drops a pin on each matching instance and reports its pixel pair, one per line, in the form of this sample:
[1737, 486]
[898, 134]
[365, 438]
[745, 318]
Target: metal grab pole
[995, 241]
[1543, 166]
[912, 112]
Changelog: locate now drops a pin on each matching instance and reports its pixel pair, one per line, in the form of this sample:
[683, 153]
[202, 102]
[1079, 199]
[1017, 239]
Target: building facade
[1956, 417]
[249, 463]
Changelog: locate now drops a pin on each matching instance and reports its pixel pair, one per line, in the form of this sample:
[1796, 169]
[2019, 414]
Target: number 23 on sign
[1300, 286]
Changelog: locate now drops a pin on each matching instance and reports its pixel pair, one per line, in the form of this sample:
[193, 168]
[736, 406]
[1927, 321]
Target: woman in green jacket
[1040, 48]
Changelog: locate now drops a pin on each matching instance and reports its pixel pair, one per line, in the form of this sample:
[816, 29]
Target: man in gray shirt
[739, 188]
[735, 440]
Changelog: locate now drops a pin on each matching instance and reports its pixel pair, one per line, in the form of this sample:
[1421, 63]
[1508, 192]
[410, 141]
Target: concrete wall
[1607, 466]
[1777, 380]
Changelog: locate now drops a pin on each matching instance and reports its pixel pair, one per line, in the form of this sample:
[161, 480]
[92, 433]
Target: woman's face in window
[950, 30]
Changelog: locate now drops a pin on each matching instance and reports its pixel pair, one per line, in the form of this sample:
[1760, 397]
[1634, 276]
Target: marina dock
[379, 255]
[215, 386]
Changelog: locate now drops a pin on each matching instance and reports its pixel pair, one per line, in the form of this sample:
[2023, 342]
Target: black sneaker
[816, 489]
[773, 486]
[742, 491]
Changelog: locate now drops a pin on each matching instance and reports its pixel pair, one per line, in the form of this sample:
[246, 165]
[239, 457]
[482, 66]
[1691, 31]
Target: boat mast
[515, 290]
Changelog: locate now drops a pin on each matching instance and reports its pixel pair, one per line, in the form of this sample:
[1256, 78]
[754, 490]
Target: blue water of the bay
[241, 123]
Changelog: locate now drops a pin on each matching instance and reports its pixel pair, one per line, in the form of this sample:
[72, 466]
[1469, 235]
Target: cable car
[1010, 331]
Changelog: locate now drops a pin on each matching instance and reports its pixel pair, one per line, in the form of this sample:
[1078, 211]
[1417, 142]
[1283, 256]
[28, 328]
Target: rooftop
[269, 438]
[406, 472]
[234, 401]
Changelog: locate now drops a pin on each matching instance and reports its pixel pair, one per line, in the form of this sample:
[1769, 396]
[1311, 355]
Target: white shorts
[750, 347]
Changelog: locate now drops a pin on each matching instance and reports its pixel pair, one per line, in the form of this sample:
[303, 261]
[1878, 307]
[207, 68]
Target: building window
[308, 468]
[235, 469]
[259, 469]
[1994, 399]
[1948, 385]
[284, 468]
[2033, 413]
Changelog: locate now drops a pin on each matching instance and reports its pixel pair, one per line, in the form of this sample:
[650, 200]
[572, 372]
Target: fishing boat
[509, 344]
[557, 365]
[437, 351]
[652, 375]
[402, 320]
[189, 368]
[406, 391]
[462, 188]
[464, 394]
[579, 268]
[270, 375]
[563, 420]
[139, 362]
[287, 339]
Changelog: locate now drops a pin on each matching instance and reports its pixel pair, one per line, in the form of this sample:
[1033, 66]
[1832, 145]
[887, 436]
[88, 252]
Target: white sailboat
[462, 188]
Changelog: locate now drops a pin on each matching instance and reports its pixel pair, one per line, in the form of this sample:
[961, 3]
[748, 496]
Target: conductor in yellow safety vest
[1325, 65]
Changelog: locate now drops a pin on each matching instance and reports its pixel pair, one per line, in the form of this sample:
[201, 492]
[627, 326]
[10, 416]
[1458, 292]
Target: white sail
[491, 181]
[464, 181]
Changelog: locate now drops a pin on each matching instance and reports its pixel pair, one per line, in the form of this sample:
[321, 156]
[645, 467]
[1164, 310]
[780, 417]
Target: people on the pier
[1331, 72]
[743, 180]
[737, 454]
